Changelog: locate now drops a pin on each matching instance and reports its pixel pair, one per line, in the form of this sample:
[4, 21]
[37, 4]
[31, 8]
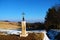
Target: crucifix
[23, 19]
[23, 25]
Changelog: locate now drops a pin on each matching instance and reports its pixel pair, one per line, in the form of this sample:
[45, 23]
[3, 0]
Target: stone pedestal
[23, 32]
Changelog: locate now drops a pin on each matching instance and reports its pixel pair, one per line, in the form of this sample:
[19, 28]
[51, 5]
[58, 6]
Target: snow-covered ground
[18, 32]
[51, 33]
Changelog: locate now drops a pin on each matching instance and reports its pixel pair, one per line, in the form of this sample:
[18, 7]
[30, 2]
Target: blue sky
[35, 10]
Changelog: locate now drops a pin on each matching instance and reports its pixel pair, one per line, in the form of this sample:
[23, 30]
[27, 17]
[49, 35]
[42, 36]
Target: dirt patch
[31, 36]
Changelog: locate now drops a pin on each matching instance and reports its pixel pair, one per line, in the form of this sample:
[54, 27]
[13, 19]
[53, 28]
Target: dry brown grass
[31, 36]
[9, 25]
[40, 36]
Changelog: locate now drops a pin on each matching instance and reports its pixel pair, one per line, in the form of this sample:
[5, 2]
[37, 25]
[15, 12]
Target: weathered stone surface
[24, 33]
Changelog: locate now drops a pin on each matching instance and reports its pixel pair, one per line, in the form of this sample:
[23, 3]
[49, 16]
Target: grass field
[9, 25]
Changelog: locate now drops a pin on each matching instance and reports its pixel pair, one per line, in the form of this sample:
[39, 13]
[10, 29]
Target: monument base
[23, 35]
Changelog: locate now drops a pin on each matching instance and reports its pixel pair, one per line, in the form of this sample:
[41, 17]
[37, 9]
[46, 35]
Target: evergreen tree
[52, 19]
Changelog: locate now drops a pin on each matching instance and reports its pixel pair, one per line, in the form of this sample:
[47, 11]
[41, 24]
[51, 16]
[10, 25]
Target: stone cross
[23, 24]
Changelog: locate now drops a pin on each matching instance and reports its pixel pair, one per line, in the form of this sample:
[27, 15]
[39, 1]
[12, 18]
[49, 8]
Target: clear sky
[35, 10]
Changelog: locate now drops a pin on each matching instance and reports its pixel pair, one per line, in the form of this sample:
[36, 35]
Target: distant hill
[9, 25]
